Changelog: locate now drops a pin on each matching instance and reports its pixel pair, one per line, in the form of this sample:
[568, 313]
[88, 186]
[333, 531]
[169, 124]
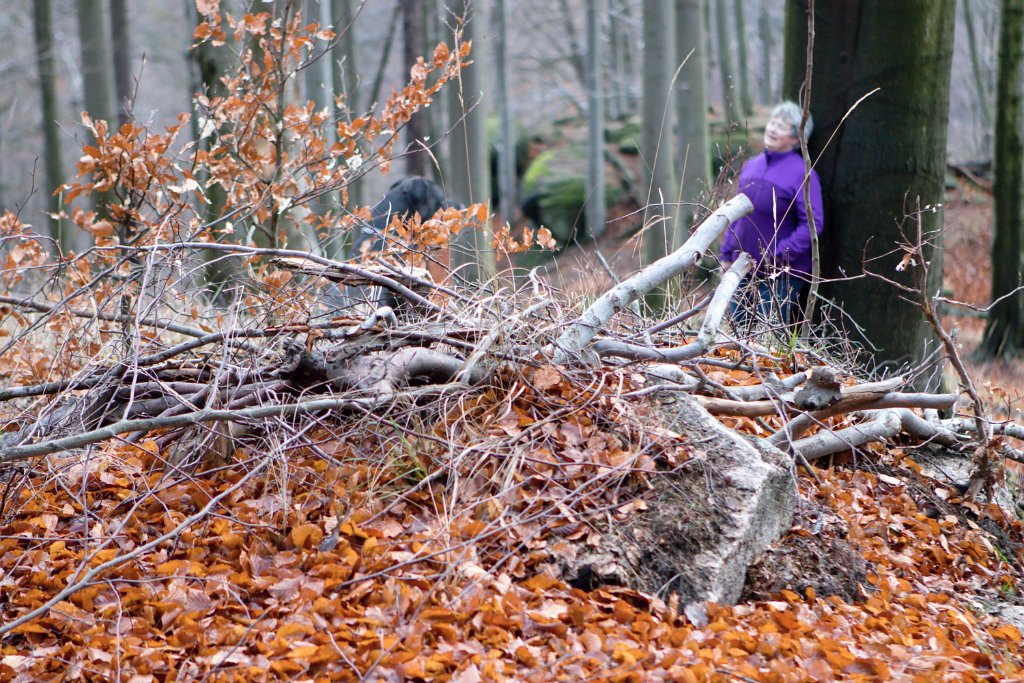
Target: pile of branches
[206, 394]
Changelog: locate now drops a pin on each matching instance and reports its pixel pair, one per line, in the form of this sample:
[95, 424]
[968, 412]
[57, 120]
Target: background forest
[260, 423]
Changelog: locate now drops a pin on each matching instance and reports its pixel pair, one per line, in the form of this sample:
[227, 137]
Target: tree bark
[730, 94]
[1004, 331]
[980, 78]
[742, 64]
[693, 155]
[120, 34]
[412, 48]
[50, 115]
[317, 83]
[765, 30]
[345, 82]
[506, 135]
[887, 153]
[595, 199]
[656, 128]
[470, 173]
[97, 72]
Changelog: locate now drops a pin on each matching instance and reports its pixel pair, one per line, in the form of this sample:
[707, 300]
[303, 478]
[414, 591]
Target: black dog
[405, 198]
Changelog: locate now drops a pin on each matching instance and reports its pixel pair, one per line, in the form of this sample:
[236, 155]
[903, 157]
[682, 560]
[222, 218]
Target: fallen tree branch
[721, 406]
[619, 297]
[13, 453]
[705, 336]
[41, 307]
[884, 425]
[851, 398]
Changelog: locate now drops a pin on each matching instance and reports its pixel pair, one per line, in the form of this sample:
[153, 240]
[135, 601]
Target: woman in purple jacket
[776, 234]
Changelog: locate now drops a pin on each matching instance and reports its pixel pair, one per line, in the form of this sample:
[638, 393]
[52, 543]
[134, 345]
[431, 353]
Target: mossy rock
[554, 191]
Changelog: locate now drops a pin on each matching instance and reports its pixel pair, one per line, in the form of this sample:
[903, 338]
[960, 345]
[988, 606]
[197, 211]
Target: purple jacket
[776, 233]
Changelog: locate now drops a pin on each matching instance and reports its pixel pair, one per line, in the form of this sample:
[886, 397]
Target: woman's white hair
[791, 112]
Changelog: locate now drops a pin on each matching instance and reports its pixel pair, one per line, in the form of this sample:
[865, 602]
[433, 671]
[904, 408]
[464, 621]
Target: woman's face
[778, 135]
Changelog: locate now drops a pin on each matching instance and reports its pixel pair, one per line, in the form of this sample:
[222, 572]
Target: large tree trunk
[692, 105]
[656, 128]
[51, 131]
[595, 200]
[889, 153]
[1004, 333]
[469, 178]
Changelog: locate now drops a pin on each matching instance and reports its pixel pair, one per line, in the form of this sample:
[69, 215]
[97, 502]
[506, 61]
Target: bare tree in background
[50, 115]
[121, 47]
[595, 199]
[656, 128]
[97, 70]
[730, 95]
[412, 49]
[764, 28]
[345, 76]
[693, 153]
[980, 81]
[469, 176]
[1004, 332]
[503, 103]
[742, 63]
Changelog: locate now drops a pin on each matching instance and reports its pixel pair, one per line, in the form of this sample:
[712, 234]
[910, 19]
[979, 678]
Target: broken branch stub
[619, 297]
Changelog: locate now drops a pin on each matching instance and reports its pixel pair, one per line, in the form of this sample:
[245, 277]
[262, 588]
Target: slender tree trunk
[345, 82]
[595, 202]
[412, 48]
[97, 73]
[97, 62]
[1004, 332]
[980, 78]
[51, 131]
[507, 136]
[573, 40]
[209, 65]
[730, 94]
[693, 155]
[470, 172]
[317, 84]
[385, 54]
[887, 154]
[767, 35]
[616, 96]
[656, 127]
[120, 34]
[433, 116]
[742, 65]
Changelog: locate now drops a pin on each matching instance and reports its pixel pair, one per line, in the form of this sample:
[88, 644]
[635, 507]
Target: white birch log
[619, 297]
[708, 329]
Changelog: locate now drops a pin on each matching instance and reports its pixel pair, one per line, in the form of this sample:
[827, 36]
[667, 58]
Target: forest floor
[426, 545]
